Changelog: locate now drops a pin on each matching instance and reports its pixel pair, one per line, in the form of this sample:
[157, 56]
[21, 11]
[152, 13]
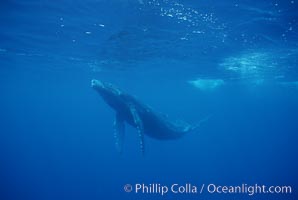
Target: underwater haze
[229, 66]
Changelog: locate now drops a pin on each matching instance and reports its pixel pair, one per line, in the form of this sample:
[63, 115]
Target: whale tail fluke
[205, 119]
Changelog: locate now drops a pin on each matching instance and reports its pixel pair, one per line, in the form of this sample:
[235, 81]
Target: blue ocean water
[233, 60]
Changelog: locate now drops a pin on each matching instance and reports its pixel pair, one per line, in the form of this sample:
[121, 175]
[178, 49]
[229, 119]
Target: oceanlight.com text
[248, 189]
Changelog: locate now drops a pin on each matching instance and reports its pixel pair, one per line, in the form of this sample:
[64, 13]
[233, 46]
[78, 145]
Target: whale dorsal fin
[119, 127]
[139, 125]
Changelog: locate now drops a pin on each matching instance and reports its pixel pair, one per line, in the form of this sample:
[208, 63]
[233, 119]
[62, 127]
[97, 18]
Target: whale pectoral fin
[119, 132]
[139, 125]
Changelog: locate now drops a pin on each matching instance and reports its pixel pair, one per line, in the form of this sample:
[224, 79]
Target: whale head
[105, 88]
[111, 94]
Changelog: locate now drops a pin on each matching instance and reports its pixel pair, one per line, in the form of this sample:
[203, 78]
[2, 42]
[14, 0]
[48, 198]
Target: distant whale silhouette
[143, 118]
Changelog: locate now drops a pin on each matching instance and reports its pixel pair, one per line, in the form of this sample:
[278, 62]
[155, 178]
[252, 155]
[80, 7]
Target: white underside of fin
[139, 125]
[119, 130]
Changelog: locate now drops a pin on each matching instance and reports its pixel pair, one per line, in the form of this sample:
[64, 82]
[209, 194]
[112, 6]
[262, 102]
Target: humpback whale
[140, 116]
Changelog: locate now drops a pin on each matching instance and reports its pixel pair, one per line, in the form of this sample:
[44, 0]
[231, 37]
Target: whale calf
[140, 116]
